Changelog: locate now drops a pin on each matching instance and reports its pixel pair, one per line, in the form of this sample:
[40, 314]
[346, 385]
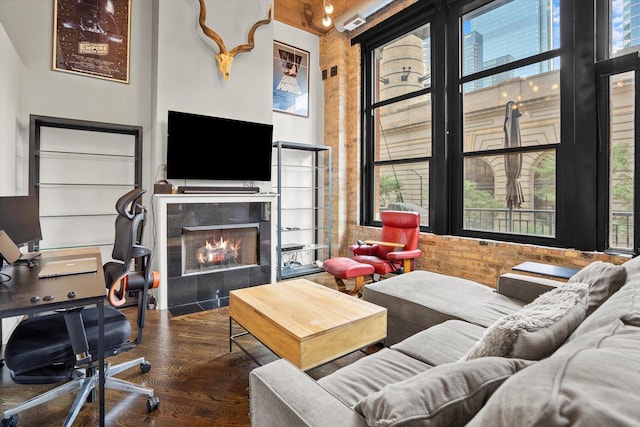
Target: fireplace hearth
[211, 244]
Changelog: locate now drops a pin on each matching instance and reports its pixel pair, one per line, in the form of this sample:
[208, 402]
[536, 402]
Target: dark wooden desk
[546, 269]
[16, 294]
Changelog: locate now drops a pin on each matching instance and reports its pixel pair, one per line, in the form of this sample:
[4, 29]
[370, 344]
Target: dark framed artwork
[91, 37]
[290, 80]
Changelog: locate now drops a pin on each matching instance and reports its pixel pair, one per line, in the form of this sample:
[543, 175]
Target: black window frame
[576, 154]
[408, 20]
[605, 67]
[457, 153]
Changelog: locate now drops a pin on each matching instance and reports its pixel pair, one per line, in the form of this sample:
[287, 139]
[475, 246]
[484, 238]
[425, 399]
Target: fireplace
[219, 247]
[208, 245]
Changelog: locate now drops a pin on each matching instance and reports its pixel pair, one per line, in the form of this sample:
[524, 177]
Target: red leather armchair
[397, 248]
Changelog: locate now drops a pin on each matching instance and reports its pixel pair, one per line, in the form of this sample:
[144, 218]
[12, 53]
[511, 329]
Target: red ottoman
[346, 268]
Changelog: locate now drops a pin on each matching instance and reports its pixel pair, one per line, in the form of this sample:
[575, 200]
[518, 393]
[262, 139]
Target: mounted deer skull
[225, 57]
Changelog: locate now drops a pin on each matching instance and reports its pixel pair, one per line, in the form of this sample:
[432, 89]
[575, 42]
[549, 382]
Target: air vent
[353, 22]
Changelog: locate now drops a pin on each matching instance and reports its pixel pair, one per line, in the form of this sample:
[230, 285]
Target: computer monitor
[20, 219]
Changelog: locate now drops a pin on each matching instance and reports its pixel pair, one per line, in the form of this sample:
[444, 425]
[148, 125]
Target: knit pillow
[604, 280]
[538, 329]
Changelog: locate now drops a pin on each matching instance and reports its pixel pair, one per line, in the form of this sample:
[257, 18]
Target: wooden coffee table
[304, 322]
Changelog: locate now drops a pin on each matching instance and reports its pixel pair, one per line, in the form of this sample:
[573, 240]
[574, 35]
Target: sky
[616, 30]
[616, 23]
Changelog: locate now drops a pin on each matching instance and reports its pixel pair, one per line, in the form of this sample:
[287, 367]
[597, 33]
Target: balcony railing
[541, 222]
[621, 232]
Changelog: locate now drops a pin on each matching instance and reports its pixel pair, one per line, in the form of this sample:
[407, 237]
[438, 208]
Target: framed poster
[290, 79]
[91, 37]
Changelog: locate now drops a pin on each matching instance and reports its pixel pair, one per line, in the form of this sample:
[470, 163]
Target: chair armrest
[380, 243]
[282, 395]
[410, 254]
[524, 288]
[364, 249]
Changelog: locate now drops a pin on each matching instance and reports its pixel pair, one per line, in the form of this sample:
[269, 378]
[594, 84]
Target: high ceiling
[307, 14]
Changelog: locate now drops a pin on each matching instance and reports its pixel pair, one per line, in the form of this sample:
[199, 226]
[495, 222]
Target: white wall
[29, 25]
[292, 128]
[14, 141]
[188, 78]
[172, 66]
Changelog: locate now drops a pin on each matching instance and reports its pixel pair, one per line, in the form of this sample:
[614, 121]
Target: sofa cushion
[591, 381]
[420, 299]
[443, 343]
[447, 395]
[370, 374]
[604, 280]
[280, 395]
[633, 268]
[622, 303]
[523, 287]
[538, 329]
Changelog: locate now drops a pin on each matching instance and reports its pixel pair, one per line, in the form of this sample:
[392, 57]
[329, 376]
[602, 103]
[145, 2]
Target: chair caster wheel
[153, 403]
[10, 422]
[145, 367]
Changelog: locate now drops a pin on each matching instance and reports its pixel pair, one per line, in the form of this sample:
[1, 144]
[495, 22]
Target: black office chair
[41, 349]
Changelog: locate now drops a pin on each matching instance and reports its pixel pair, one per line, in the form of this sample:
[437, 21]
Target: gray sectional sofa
[533, 352]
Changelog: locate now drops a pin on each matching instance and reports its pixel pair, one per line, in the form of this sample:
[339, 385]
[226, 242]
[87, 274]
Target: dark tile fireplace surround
[213, 248]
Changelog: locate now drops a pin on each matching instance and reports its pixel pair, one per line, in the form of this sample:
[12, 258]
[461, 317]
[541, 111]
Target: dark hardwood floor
[198, 381]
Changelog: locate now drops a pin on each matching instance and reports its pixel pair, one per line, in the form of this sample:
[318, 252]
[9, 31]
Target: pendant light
[328, 9]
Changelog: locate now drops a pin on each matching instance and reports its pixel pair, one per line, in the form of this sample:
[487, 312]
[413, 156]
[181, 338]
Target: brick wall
[475, 259]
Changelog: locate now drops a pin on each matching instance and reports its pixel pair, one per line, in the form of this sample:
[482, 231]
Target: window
[400, 120]
[510, 101]
[618, 74]
[624, 27]
[498, 126]
[621, 159]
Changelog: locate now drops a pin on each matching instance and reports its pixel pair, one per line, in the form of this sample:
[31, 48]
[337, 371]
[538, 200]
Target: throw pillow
[446, 395]
[538, 329]
[604, 280]
[590, 381]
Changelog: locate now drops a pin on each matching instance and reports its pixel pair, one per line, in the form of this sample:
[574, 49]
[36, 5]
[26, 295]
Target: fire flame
[220, 251]
[223, 244]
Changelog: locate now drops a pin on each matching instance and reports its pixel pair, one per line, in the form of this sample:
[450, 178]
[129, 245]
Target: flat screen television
[20, 219]
[214, 148]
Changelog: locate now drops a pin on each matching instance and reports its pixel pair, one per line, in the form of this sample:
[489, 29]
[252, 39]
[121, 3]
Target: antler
[225, 57]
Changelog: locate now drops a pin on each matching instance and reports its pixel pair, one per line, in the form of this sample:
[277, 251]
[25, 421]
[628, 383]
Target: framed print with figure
[290, 80]
[91, 37]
